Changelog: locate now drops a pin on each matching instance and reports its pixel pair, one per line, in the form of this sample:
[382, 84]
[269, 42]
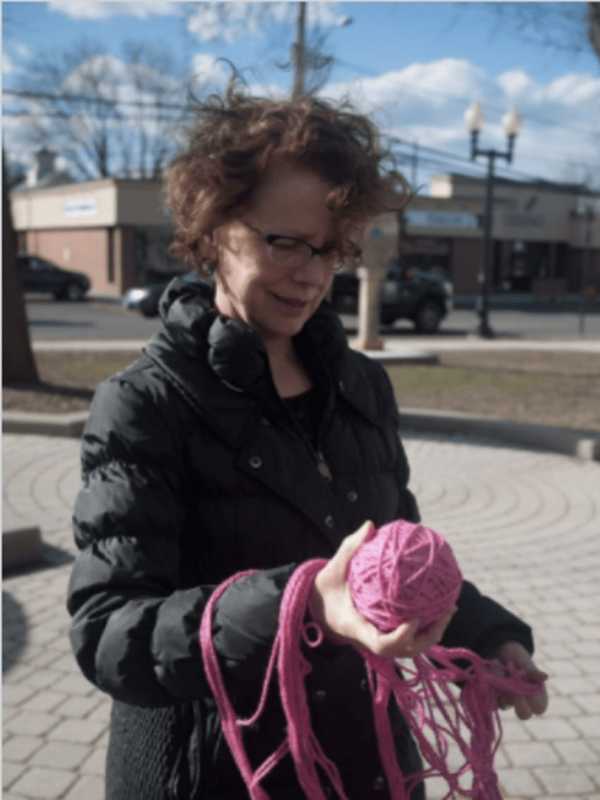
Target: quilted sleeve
[134, 628]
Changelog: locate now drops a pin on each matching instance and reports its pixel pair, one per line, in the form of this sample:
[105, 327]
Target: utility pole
[586, 264]
[299, 52]
[414, 166]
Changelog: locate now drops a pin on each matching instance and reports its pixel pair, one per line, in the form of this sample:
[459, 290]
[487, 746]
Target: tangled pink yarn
[405, 571]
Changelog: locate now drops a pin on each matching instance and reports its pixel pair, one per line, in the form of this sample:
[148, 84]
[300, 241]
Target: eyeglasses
[289, 252]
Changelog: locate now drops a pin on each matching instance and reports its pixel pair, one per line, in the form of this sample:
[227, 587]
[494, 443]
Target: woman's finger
[349, 545]
[522, 707]
[398, 643]
[434, 634]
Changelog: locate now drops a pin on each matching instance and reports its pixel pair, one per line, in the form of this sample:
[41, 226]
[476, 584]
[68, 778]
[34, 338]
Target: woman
[248, 435]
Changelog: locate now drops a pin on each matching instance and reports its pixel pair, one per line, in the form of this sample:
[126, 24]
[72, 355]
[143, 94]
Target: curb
[21, 544]
[583, 444]
[69, 425]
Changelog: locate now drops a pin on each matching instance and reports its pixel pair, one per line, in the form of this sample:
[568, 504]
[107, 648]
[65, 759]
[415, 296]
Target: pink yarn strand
[404, 572]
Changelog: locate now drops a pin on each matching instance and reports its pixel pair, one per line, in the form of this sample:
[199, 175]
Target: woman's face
[254, 281]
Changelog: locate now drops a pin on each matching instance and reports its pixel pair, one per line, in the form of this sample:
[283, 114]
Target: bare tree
[568, 27]
[309, 63]
[106, 116]
[594, 26]
[18, 364]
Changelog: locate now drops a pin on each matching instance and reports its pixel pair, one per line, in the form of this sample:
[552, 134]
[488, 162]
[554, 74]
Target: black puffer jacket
[193, 470]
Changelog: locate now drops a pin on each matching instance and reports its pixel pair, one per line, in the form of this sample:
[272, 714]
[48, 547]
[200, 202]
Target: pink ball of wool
[404, 572]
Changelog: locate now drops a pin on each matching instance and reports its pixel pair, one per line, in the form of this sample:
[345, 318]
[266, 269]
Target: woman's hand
[525, 707]
[332, 608]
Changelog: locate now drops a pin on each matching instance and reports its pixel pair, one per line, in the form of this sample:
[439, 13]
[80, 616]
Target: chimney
[42, 168]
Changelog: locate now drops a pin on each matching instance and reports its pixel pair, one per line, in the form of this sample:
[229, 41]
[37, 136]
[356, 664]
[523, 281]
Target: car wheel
[74, 292]
[428, 317]
[148, 309]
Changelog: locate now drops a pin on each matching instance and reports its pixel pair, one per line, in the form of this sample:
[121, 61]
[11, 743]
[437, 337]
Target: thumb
[351, 544]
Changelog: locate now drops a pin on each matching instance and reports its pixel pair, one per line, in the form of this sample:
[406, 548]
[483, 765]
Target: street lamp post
[511, 122]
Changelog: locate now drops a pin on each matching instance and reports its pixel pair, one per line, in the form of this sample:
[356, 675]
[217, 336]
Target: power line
[465, 159]
[98, 100]
[442, 156]
[446, 158]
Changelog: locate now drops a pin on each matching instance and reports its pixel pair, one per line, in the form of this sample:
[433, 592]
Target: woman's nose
[315, 271]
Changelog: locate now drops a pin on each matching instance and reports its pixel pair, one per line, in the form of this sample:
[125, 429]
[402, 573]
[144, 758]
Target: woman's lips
[292, 304]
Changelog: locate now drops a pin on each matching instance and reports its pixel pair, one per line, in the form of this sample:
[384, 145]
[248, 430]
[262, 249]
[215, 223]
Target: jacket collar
[217, 363]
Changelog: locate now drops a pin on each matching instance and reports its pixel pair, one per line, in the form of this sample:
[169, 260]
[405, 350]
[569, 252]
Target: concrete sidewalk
[394, 346]
[525, 526]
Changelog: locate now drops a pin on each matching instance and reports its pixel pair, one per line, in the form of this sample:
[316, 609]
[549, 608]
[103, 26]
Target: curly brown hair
[235, 136]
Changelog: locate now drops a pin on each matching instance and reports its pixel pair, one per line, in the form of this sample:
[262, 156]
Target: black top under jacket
[193, 469]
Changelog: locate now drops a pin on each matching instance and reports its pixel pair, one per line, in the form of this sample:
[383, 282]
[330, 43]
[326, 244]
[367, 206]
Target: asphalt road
[97, 320]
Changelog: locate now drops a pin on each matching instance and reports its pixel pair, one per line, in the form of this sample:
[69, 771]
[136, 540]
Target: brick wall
[82, 249]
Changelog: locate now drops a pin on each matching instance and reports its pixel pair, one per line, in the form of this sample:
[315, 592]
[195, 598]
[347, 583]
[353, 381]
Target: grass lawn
[527, 386]
[560, 389]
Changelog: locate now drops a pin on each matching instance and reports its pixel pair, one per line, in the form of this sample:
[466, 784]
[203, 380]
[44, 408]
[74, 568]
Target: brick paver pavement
[525, 526]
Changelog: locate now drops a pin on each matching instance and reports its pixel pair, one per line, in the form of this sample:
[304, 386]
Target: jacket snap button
[329, 521]
[256, 462]
[352, 496]
[264, 421]
[364, 684]
[379, 783]
[320, 695]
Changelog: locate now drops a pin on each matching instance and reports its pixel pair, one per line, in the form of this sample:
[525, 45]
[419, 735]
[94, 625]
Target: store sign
[441, 219]
[80, 207]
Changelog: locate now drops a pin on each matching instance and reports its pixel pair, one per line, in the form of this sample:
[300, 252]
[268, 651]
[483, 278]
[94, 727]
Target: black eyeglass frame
[270, 238]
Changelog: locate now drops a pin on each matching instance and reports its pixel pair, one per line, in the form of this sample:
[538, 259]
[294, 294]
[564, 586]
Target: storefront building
[116, 231]
[546, 237]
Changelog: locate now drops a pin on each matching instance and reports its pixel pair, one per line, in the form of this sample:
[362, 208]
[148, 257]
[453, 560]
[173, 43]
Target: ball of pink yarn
[405, 572]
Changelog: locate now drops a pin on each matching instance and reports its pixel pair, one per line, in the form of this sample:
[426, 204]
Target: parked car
[39, 275]
[145, 298]
[424, 298]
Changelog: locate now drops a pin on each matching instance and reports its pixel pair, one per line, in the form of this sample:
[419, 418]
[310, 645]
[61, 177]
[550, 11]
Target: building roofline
[87, 185]
[539, 184]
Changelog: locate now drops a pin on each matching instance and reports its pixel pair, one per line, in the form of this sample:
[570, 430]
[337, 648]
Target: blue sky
[414, 66]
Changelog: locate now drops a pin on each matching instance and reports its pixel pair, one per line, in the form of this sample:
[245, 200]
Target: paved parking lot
[525, 526]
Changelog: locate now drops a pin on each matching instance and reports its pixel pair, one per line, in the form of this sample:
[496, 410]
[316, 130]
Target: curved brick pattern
[525, 526]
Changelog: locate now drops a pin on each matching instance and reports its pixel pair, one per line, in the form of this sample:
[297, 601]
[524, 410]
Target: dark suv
[38, 275]
[423, 297]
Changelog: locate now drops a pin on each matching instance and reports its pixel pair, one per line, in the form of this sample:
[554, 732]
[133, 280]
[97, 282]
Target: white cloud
[425, 103]
[12, 63]
[98, 9]
[113, 78]
[7, 63]
[573, 90]
[208, 69]
[229, 21]
[515, 83]
[212, 21]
